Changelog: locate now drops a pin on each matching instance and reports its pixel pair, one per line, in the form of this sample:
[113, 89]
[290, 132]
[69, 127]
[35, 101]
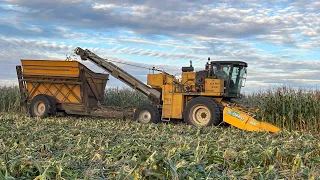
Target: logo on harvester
[253, 123]
[235, 114]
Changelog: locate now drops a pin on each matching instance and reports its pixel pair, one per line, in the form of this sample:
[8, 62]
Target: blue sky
[279, 39]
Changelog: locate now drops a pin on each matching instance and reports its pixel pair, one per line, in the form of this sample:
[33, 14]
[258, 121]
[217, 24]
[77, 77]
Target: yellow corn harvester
[201, 98]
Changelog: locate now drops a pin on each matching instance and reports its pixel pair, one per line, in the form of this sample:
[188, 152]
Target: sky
[278, 39]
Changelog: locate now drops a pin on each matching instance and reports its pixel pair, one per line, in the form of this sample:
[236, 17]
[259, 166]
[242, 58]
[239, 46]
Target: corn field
[93, 148]
[98, 148]
[285, 107]
[9, 99]
[293, 109]
[121, 97]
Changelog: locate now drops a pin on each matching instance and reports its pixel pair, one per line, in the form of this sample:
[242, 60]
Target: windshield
[237, 77]
[222, 71]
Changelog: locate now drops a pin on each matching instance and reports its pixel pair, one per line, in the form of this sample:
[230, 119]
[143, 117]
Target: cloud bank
[280, 40]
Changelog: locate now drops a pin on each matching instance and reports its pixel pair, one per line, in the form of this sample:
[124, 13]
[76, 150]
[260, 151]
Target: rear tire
[147, 113]
[202, 111]
[41, 106]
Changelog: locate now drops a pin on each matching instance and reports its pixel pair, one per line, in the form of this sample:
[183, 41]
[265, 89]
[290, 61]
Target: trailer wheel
[147, 113]
[42, 106]
[202, 111]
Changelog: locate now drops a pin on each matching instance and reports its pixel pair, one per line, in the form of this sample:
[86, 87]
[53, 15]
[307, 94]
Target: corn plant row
[293, 109]
[9, 99]
[123, 97]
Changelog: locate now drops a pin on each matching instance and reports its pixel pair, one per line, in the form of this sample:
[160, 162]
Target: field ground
[96, 148]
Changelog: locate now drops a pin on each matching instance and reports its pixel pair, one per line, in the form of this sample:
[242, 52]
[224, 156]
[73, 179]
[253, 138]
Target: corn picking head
[242, 119]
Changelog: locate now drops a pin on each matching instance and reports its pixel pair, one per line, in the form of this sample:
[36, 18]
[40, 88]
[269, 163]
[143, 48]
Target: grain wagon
[48, 87]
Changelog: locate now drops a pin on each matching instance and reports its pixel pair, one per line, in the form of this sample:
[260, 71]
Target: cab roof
[241, 63]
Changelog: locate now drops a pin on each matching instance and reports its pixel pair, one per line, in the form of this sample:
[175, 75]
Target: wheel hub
[39, 108]
[201, 115]
[145, 116]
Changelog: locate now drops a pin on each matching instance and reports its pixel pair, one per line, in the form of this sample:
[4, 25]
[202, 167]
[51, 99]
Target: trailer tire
[147, 113]
[202, 111]
[42, 106]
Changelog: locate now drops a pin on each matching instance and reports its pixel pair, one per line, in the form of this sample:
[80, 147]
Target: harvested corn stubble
[97, 148]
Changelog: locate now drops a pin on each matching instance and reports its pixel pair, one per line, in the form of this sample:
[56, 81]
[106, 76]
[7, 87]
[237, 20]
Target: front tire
[202, 111]
[147, 113]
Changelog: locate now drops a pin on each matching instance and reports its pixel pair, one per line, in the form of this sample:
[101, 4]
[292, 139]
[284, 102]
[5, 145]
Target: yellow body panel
[173, 106]
[159, 80]
[214, 85]
[62, 92]
[188, 77]
[211, 94]
[156, 80]
[45, 69]
[51, 68]
[188, 80]
[166, 89]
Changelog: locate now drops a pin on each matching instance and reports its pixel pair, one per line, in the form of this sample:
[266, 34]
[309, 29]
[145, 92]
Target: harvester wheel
[147, 113]
[41, 106]
[221, 108]
[202, 111]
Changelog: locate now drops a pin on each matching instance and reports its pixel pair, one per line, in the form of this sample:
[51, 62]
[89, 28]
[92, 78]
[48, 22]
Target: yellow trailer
[49, 86]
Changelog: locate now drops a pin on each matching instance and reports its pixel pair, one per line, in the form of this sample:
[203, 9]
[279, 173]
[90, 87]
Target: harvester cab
[232, 72]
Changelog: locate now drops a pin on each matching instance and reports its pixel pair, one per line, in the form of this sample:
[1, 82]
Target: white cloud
[104, 6]
[266, 34]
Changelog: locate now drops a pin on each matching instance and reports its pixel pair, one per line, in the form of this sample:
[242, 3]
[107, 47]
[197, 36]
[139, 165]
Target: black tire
[221, 108]
[147, 113]
[54, 102]
[42, 106]
[201, 107]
